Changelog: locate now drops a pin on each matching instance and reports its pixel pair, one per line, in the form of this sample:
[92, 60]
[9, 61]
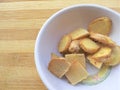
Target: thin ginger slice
[76, 73]
[89, 45]
[79, 33]
[100, 25]
[59, 67]
[73, 57]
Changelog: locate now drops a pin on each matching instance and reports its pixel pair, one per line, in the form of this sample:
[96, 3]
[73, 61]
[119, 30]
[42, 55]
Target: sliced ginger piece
[53, 56]
[101, 25]
[89, 45]
[114, 59]
[94, 62]
[103, 53]
[79, 33]
[76, 73]
[64, 44]
[73, 57]
[59, 67]
[74, 47]
[102, 39]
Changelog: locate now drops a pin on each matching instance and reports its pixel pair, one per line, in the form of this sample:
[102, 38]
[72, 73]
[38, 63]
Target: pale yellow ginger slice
[94, 62]
[53, 56]
[100, 25]
[74, 47]
[59, 67]
[73, 57]
[103, 53]
[76, 73]
[64, 44]
[79, 33]
[89, 45]
[102, 39]
[114, 58]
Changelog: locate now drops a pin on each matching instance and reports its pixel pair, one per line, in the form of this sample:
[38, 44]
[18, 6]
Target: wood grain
[19, 34]
[20, 22]
[25, 5]
[15, 46]
[27, 14]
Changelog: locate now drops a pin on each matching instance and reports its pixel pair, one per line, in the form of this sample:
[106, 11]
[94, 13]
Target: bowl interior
[61, 23]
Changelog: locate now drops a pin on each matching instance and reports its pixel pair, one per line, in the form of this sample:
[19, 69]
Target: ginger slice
[74, 47]
[79, 33]
[59, 67]
[94, 62]
[102, 54]
[73, 57]
[114, 59]
[76, 73]
[89, 45]
[100, 25]
[64, 44]
[53, 56]
[102, 39]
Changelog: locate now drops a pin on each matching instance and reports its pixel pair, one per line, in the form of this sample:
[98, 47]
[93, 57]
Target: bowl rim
[39, 69]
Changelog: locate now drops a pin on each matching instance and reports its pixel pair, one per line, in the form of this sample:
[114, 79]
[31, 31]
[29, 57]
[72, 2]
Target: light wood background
[20, 21]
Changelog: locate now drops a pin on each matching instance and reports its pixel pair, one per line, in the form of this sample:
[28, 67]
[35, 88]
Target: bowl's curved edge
[39, 70]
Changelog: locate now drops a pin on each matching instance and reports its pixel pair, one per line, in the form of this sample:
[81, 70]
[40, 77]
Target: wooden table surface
[20, 21]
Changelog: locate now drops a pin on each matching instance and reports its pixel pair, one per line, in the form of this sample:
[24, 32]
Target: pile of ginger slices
[93, 44]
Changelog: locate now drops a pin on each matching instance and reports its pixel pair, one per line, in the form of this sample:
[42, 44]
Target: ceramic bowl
[65, 21]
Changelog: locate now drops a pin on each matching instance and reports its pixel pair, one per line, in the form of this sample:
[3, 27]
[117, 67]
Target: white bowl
[65, 21]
